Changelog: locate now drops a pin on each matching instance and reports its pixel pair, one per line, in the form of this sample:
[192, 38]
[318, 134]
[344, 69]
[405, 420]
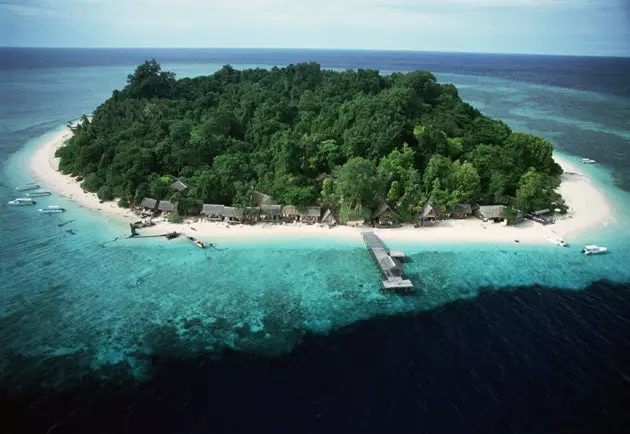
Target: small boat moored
[22, 201]
[592, 249]
[198, 243]
[40, 193]
[587, 161]
[27, 187]
[556, 240]
[52, 209]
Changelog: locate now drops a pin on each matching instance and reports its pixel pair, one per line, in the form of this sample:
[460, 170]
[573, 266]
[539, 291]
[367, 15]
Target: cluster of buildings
[266, 209]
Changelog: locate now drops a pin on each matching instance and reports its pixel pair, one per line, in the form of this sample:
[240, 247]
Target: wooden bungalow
[148, 206]
[490, 212]
[262, 199]
[270, 212]
[233, 214]
[542, 216]
[461, 211]
[429, 215]
[167, 207]
[178, 186]
[384, 216]
[290, 213]
[310, 214]
[213, 212]
[329, 218]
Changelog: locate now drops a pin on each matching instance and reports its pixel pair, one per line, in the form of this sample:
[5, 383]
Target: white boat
[40, 193]
[52, 209]
[29, 186]
[556, 240]
[22, 201]
[587, 161]
[592, 249]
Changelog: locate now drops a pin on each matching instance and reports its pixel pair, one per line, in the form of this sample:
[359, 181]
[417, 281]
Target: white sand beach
[589, 209]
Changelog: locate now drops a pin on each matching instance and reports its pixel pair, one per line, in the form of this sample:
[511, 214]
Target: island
[308, 145]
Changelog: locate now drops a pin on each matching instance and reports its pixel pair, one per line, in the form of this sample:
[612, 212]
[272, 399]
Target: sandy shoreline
[589, 209]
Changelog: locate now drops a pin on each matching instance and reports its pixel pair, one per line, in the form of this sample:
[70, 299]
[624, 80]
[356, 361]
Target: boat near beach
[587, 161]
[592, 249]
[40, 193]
[22, 201]
[52, 209]
[198, 243]
[555, 239]
[27, 187]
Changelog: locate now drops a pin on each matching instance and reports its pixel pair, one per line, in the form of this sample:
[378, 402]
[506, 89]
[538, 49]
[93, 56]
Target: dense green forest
[306, 136]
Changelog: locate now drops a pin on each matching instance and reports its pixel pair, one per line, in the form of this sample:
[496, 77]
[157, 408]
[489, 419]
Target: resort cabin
[167, 207]
[310, 214]
[251, 214]
[492, 213]
[148, 206]
[178, 186]
[290, 213]
[461, 211]
[384, 216]
[262, 199]
[542, 216]
[233, 214]
[430, 214]
[213, 212]
[270, 212]
[329, 218]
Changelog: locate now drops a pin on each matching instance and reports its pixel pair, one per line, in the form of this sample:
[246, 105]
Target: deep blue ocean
[100, 336]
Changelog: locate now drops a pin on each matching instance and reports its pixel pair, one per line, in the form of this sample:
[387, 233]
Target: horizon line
[393, 50]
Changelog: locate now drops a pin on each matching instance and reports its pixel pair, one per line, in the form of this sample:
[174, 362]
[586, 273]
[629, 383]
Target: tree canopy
[305, 136]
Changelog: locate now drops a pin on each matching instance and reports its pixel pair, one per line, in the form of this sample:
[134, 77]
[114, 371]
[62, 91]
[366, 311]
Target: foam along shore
[589, 209]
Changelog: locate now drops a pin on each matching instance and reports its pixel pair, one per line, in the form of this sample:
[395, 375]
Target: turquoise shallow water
[116, 303]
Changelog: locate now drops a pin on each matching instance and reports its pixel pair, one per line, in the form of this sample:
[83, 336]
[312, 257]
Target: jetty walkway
[388, 262]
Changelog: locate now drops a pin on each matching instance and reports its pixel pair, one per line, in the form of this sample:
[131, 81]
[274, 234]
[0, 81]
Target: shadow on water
[528, 360]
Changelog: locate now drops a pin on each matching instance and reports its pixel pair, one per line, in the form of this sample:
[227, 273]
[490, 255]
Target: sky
[567, 27]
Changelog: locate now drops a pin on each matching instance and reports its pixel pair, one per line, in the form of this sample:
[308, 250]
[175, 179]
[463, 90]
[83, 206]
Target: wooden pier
[388, 262]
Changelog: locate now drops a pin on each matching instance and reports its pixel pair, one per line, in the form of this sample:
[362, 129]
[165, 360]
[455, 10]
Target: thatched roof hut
[494, 212]
[262, 199]
[271, 210]
[461, 210]
[178, 186]
[329, 217]
[167, 206]
[431, 211]
[290, 211]
[212, 210]
[311, 212]
[148, 203]
[231, 212]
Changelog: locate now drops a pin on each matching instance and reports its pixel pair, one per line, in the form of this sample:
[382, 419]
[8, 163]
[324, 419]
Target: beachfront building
[270, 212]
[310, 214]
[233, 214]
[148, 206]
[460, 211]
[490, 212]
[178, 186]
[384, 216]
[167, 207]
[213, 212]
[542, 216]
[290, 213]
[329, 218]
[429, 215]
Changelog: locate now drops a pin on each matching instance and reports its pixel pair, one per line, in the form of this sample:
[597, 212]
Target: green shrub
[105, 193]
[175, 218]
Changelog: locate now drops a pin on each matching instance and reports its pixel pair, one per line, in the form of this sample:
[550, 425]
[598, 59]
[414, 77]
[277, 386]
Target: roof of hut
[310, 211]
[491, 211]
[289, 210]
[178, 186]
[210, 209]
[147, 202]
[430, 210]
[271, 209]
[382, 208]
[166, 205]
[262, 199]
[233, 212]
[329, 216]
